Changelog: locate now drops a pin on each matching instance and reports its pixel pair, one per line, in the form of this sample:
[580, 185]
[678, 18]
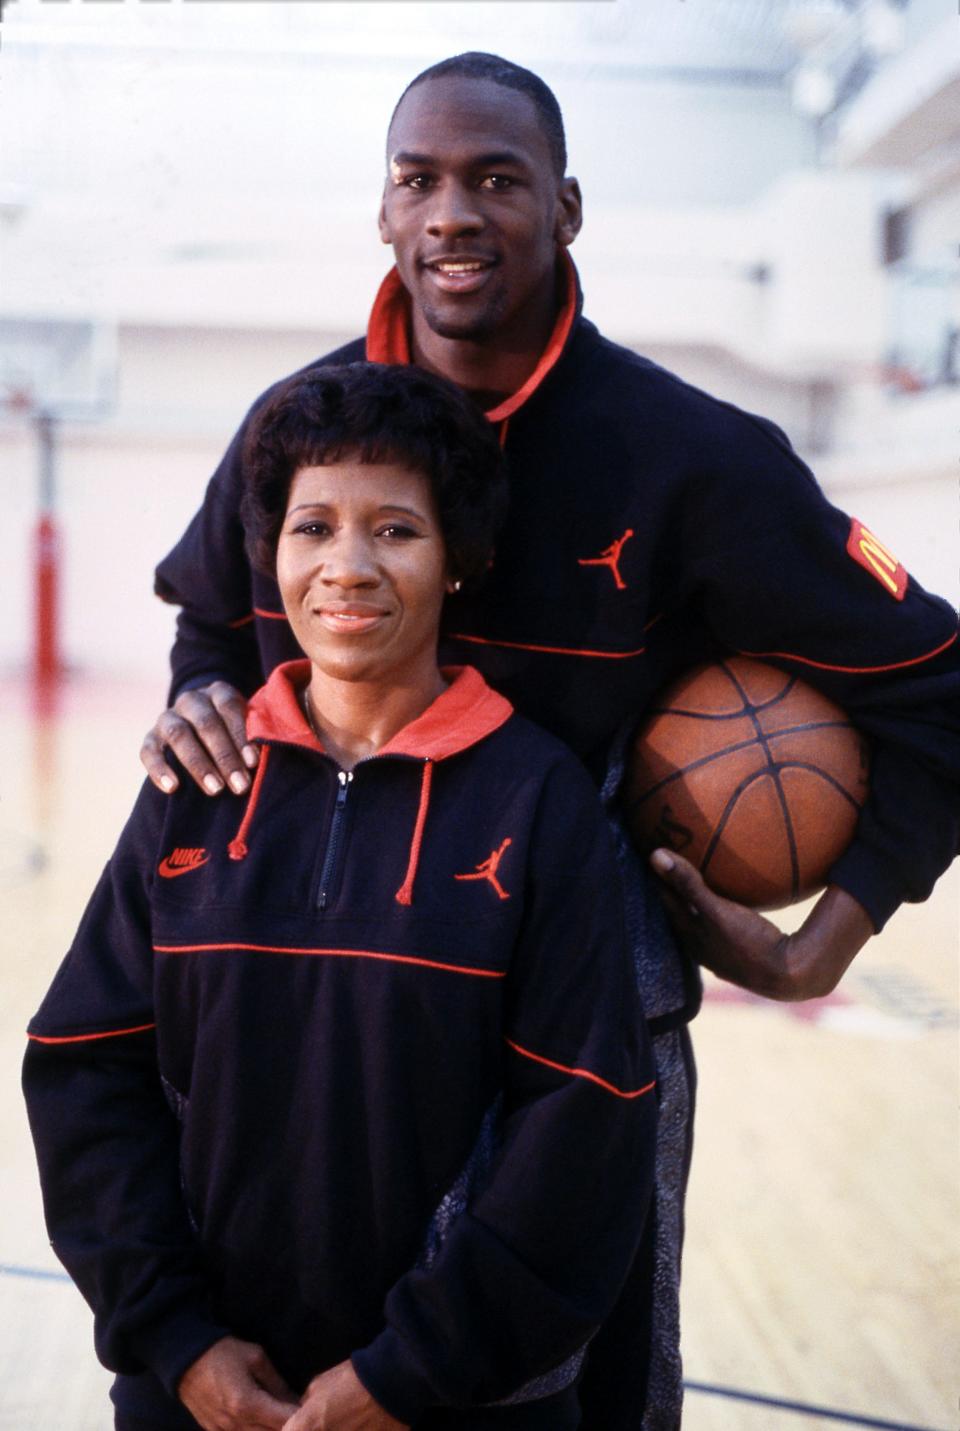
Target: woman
[260, 1074]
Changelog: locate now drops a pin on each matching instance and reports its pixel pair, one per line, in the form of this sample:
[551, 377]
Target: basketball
[752, 775]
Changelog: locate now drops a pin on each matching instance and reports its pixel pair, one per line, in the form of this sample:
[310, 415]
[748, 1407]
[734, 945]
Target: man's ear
[569, 212]
[382, 221]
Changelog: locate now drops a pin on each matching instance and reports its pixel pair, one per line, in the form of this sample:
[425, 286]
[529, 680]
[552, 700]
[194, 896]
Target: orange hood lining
[388, 333]
[463, 714]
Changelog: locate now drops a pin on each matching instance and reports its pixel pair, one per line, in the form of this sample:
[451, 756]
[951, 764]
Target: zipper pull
[334, 838]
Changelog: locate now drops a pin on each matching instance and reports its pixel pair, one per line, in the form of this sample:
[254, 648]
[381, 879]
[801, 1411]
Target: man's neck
[488, 369]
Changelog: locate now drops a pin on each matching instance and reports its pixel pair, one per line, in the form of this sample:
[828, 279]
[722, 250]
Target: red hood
[466, 711]
[388, 333]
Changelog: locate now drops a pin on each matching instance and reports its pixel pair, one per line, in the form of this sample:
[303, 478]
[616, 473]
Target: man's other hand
[338, 1401]
[206, 730]
[742, 946]
[235, 1387]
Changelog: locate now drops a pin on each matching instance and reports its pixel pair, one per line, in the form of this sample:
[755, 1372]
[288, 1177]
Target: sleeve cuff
[392, 1379]
[172, 1345]
[872, 881]
[195, 682]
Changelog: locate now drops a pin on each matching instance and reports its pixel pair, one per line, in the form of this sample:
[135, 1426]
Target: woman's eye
[397, 531]
[314, 529]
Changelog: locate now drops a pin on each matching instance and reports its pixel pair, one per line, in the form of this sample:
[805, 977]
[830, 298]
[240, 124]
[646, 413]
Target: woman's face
[362, 569]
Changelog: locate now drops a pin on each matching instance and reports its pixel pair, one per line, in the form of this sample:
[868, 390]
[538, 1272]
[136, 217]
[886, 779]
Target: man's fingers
[177, 733]
[683, 881]
[206, 730]
[198, 733]
[151, 757]
[267, 1376]
[265, 1412]
[232, 709]
[300, 1421]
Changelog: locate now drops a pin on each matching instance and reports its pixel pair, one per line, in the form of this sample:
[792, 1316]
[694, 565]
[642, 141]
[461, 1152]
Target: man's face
[473, 207]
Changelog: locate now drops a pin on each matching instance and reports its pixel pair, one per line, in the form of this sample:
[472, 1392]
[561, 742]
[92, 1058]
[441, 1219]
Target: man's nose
[455, 210]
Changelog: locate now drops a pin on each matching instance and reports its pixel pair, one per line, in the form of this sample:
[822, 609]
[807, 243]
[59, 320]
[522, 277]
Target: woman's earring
[455, 586]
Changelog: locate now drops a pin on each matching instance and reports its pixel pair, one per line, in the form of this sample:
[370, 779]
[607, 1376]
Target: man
[650, 526]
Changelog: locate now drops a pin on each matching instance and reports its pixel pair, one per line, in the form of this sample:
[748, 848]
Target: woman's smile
[350, 618]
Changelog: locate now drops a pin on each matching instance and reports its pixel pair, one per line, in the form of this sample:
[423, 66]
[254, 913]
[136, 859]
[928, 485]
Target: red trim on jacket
[323, 953]
[550, 650]
[581, 1073]
[552, 352]
[89, 1038]
[388, 333]
[852, 670]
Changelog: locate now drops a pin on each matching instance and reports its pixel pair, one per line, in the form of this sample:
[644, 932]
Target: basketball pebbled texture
[752, 775]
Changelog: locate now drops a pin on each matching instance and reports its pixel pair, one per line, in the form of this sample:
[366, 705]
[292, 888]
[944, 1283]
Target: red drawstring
[503, 431]
[404, 894]
[237, 848]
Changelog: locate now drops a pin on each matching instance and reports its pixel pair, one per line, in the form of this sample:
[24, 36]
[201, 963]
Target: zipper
[335, 838]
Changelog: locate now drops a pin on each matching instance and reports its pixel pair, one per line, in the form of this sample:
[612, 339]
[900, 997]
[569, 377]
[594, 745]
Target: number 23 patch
[877, 559]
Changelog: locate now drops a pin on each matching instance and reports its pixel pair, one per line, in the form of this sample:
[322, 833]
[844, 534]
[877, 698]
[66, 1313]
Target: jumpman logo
[610, 557]
[487, 869]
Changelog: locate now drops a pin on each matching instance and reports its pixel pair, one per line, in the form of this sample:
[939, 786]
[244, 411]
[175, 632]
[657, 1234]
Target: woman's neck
[354, 719]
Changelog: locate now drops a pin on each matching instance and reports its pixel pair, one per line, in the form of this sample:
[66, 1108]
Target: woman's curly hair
[375, 413]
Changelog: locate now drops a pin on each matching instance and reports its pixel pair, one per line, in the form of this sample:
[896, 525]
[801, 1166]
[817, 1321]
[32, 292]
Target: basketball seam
[823, 774]
[773, 770]
[732, 750]
[784, 806]
[726, 715]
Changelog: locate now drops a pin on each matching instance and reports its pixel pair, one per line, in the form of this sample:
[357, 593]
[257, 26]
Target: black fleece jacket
[651, 526]
[269, 1051]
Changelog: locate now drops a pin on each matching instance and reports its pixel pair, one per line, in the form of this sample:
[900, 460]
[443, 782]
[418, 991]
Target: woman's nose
[350, 561]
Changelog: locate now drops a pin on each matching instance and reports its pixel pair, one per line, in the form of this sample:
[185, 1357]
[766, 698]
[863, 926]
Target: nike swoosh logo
[169, 871]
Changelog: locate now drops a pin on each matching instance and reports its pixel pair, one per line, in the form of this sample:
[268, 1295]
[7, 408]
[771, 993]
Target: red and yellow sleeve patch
[877, 559]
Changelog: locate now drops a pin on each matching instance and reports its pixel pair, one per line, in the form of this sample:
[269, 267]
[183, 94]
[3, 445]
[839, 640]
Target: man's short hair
[476, 64]
[377, 413]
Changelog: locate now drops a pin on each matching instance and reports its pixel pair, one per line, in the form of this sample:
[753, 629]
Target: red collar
[463, 714]
[388, 333]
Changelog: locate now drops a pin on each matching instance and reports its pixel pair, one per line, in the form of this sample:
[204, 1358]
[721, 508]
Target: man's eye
[498, 182]
[416, 181]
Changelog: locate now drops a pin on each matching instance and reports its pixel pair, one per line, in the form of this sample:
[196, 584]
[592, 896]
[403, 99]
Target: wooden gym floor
[821, 1273]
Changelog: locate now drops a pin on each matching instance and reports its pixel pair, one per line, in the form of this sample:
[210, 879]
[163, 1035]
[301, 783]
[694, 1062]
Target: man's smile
[459, 273]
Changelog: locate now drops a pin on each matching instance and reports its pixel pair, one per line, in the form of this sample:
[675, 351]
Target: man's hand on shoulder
[206, 730]
[742, 946]
[337, 1400]
[234, 1386]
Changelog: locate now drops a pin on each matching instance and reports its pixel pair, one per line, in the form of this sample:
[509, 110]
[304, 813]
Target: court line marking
[38, 1274]
[850, 1418]
[805, 1408]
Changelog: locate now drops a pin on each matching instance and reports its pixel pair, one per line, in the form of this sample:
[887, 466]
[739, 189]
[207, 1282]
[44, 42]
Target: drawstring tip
[404, 894]
[237, 848]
